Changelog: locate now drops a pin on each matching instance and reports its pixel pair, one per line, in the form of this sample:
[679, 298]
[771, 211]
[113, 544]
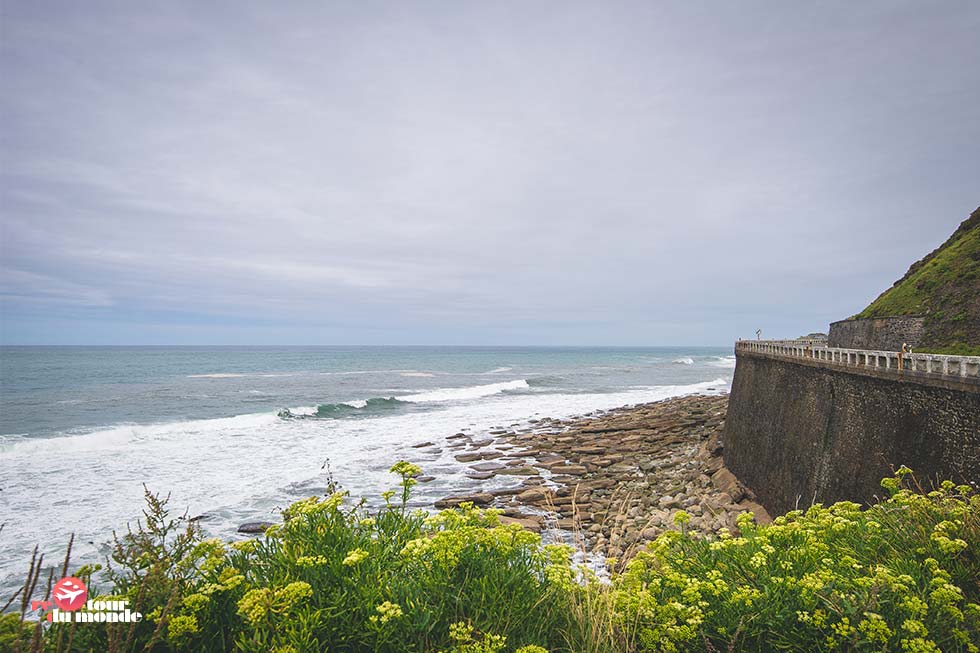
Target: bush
[333, 576]
[901, 575]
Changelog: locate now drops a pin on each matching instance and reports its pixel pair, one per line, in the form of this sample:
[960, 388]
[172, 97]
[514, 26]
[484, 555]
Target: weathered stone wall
[803, 431]
[882, 333]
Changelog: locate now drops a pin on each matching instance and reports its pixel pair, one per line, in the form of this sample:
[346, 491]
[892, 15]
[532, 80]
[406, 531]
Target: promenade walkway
[940, 366]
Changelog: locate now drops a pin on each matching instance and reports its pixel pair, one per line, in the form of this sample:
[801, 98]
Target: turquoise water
[82, 428]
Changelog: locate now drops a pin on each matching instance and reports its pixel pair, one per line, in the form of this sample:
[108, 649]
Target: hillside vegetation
[944, 286]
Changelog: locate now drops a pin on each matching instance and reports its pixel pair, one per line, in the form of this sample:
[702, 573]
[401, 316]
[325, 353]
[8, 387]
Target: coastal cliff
[935, 306]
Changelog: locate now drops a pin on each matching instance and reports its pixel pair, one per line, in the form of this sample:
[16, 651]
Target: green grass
[955, 349]
[900, 575]
[953, 270]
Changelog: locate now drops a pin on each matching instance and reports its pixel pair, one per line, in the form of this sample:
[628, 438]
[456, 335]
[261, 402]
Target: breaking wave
[376, 405]
[686, 360]
[373, 405]
[471, 392]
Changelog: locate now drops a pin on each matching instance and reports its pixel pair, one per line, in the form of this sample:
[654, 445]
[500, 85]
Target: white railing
[963, 367]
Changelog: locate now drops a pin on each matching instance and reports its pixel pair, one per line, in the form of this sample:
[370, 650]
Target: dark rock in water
[478, 455]
[425, 479]
[486, 467]
[507, 492]
[203, 517]
[523, 470]
[480, 476]
[422, 444]
[479, 499]
[285, 413]
[255, 527]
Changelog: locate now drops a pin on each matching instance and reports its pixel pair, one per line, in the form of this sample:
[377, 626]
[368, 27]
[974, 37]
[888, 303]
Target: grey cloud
[474, 172]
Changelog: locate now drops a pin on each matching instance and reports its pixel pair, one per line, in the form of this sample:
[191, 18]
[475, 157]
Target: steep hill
[944, 286]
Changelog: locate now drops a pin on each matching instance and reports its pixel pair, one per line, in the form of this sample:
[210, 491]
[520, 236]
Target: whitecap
[686, 360]
[727, 362]
[123, 435]
[470, 392]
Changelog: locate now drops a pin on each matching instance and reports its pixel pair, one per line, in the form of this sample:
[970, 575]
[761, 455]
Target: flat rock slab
[519, 471]
[255, 527]
[478, 499]
[530, 522]
[575, 470]
[486, 467]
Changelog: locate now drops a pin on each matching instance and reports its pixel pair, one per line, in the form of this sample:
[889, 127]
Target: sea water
[83, 429]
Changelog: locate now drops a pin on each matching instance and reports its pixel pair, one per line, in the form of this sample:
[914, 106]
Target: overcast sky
[474, 172]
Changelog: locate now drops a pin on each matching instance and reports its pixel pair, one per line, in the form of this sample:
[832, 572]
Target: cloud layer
[543, 173]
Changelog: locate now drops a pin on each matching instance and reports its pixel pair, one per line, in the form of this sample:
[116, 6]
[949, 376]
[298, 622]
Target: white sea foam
[219, 375]
[357, 372]
[727, 362]
[686, 360]
[420, 374]
[472, 392]
[499, 370]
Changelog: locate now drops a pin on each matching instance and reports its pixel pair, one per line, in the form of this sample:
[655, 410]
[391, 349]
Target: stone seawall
[882, 333]
[804, 431]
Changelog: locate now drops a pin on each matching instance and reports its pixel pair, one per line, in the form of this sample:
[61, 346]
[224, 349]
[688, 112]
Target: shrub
[901, 575]
[334, 576]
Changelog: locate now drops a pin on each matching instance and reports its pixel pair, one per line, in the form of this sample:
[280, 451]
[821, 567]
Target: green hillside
[944, 286]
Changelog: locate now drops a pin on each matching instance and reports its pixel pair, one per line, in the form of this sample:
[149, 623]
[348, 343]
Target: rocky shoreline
[616, 478]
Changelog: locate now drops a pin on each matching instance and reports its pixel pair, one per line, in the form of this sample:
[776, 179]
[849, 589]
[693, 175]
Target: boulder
[725, 481]
[761, 514]
[536, 495]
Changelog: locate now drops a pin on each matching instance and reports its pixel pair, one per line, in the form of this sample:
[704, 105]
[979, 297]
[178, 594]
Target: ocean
[82, 429]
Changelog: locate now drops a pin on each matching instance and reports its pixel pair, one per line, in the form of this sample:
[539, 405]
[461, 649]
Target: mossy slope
[944, 286]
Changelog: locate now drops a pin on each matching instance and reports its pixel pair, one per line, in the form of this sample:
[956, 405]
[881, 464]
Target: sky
[498, 173]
